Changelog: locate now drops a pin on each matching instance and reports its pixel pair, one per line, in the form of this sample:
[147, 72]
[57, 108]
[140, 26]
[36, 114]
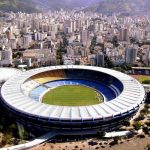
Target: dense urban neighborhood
[70, 37]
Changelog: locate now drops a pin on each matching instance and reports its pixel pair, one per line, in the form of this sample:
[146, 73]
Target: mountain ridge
[17, 5]
[41, 5]
[120, 6]
[100, 6]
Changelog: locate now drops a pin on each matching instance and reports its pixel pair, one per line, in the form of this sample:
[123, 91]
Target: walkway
[117, 134]
[31, 144]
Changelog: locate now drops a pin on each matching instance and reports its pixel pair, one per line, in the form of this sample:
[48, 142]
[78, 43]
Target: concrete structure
[106, 116]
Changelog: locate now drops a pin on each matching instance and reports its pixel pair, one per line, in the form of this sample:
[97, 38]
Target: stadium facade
[123, 95]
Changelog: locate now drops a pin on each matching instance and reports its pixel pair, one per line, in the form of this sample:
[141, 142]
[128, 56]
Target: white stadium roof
[132, 96]
[6, 73]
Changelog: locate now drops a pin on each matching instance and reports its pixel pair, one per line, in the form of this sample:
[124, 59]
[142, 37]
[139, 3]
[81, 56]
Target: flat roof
[144, 68]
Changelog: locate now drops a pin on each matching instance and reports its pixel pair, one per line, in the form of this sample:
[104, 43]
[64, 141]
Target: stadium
[72, 98]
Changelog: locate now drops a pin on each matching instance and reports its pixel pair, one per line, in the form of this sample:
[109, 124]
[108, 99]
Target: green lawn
[142, 78]
[72, 96]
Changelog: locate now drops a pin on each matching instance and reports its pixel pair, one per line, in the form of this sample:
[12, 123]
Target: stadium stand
[28, 86]
[35, 94]
[20, 96]
[49, 76]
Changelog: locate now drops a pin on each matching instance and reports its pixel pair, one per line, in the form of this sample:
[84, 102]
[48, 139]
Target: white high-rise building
[27, 39]
[84, 36]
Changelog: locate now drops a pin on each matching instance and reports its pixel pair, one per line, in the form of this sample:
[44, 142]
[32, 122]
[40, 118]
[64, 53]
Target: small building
[141, 70]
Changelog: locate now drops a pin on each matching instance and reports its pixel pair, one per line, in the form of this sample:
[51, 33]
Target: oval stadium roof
[132, 96]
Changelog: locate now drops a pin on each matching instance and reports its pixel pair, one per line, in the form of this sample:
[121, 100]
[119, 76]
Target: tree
[146, 82]
[6, 139]
[93, 44]
[140, 117]
[52, 147]
[59, 54]
[108, 62]
[17, 55]
[148, 96]
[126, 123]
[146, 130]
[133, 40]
[137, 126]
[115, 41]
[145, 111]
[148, 147]
[146, 106]
[65, 41]
[100, 134]
[116, 139]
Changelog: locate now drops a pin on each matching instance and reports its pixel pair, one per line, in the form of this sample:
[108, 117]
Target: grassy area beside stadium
[142, 78]
[72, 96]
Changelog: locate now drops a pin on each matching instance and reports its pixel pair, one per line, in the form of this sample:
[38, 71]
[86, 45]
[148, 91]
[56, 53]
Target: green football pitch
[72, 96]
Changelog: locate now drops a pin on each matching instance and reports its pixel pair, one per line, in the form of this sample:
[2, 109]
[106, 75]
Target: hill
[17, 5]
[65, 4]
[101, 6]
[44, 5]
[121, 6]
